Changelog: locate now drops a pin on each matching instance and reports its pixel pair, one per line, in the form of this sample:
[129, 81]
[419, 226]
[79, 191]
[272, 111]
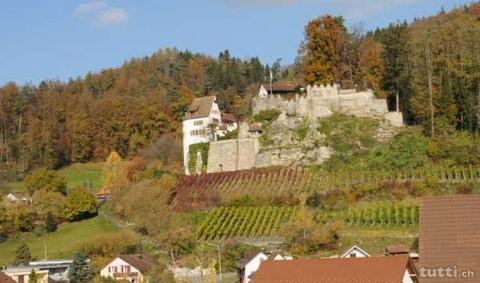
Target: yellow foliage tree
[113, 177]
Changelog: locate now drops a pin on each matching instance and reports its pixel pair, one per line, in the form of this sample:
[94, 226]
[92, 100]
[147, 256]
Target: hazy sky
[59, 39]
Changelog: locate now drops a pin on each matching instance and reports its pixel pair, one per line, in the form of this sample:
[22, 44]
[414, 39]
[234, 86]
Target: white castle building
[203, 123]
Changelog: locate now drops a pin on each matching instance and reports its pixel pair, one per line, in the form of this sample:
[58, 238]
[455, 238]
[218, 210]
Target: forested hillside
[432, 65]
[123, 109]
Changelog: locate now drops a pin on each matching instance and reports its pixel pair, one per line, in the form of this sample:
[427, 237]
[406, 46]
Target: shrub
[465, 189]
[459, 149]
[302, 130]
[229, 136]
[111, 245]
[268, 116]
[314, 200]
[408, 150]
[48, 180]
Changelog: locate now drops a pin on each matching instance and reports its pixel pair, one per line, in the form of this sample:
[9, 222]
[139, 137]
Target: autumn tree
[371, 66]
[22, 218]
[171, 231]
[113, 175]
[46, 202]
[324, 39]
[47, 180]
[128, 108]
[348, 70]
[445, 92]
[80, 204]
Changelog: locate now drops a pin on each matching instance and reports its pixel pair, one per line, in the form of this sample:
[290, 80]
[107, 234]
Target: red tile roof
[450, 235]
[5, 279]
[228, 118]
[281, 87]
[200, 107]
[396, 250]
[347, 270]
[141, 262]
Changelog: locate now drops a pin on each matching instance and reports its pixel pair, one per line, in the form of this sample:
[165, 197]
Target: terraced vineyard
[195, 192]
[249, 222]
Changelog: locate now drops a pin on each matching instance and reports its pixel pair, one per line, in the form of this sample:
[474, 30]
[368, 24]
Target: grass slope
[83, 174]
[374, 240]
[62, 243]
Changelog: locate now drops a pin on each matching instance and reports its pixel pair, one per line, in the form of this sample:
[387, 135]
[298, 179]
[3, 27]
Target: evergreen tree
[81, 271]
[396, 55]
[22, 255]
[50, 223]
[32, 277]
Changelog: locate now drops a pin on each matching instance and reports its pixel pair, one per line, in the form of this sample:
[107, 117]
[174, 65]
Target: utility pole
[45, 249]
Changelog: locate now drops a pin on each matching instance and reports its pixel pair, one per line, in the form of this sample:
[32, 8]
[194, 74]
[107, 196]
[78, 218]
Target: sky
[62, 39]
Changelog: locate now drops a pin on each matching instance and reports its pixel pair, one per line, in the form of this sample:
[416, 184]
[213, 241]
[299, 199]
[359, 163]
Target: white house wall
[188, 125]
[407, 278]
[253, 266]
[118, 263]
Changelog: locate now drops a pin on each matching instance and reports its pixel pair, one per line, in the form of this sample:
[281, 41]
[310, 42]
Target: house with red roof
[132, 268]
[394, 269]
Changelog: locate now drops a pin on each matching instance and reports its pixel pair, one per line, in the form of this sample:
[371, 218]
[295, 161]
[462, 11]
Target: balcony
[125, 275]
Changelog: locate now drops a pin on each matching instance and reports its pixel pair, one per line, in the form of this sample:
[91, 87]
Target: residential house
[250, 264]
[201, 119]
[449, 239]
[132, 268]
[397, 269]
[103, 194]
[353, 252]
[4, 278]
[229, 122]
[19, 198]
[20, 274]
[57, 269]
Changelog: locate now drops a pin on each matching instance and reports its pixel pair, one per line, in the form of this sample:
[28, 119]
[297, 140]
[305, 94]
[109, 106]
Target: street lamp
[218, 246]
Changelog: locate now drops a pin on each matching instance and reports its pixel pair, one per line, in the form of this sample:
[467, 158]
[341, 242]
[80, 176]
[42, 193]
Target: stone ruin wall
[322, 101]
[232, 155]
[319, 102]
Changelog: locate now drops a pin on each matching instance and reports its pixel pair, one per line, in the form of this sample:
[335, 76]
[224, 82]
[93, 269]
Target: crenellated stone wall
[321, 101]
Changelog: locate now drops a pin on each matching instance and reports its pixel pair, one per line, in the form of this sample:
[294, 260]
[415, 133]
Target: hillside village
[358, 163]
